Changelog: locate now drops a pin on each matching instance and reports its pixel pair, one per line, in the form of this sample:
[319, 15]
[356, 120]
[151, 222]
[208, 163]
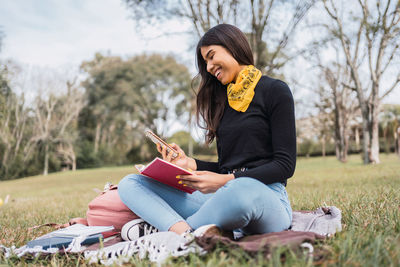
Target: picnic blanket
[307, 228]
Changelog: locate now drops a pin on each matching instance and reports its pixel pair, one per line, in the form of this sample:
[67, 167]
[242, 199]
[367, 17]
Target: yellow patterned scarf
[241, 93]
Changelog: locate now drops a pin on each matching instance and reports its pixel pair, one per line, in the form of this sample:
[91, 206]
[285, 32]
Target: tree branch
[392, 54]
[391, 88]
[350, 87]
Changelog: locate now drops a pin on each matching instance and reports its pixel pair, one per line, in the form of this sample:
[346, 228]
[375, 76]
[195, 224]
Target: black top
[262, 139]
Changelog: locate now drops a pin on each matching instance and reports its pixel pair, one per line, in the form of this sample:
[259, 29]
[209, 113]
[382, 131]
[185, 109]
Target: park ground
[368, 196]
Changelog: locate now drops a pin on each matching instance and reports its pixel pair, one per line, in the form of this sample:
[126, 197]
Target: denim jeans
[242, 203]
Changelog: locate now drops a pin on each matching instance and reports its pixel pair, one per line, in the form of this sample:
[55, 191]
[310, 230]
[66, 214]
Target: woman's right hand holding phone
[181, 160]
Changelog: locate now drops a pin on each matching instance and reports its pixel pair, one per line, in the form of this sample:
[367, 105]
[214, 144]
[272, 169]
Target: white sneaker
[212, 230]
[206, 230]
[135, 229]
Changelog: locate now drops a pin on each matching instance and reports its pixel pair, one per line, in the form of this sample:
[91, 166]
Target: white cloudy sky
[53, 33]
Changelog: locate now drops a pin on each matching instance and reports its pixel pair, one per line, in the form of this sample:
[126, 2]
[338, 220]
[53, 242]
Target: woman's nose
[209, 67]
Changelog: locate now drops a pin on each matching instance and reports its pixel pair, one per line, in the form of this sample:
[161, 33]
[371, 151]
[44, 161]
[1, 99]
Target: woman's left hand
[205, 181]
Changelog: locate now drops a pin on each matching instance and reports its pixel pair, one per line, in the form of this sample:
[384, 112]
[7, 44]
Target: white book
[80, 229]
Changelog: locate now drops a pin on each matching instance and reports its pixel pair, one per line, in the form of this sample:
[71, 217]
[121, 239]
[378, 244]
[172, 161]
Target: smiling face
[220, 63]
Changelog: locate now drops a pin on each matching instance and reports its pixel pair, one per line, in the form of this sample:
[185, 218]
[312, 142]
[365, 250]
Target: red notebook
[165, 172]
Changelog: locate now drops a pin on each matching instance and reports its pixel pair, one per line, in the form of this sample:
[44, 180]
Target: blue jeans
[243, 203]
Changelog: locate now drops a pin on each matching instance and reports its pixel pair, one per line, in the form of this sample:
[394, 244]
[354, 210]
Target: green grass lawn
[369, 197]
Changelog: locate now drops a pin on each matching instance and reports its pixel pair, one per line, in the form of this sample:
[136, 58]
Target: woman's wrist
[192, 164]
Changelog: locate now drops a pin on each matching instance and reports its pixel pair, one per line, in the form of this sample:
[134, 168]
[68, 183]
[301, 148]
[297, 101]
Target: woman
[252, 119]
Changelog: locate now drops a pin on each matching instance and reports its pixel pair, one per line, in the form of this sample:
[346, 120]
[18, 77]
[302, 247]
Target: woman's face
[220, 63]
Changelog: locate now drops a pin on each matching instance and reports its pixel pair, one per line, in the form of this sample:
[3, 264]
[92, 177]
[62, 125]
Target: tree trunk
[365, 131]
[46, 159]
[357, 138]
[340, 129]
[337, 151]
[338, 136]
[97, 137]
[72, 156]
[345, 145]
[374, 156]
[398, 141]
[5, 159]
[323, 147]
[73, 162]
[5, 155]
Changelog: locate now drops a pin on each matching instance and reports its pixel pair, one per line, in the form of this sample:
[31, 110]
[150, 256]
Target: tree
[369, 41]
[336, 104]
[13, 121]
[70, 106]
[14, 117]
[54, 116]
[260, 18]
[127, 96]
[344, 107]
[323, 121]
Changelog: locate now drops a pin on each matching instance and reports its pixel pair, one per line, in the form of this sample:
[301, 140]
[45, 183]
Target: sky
[52, 33]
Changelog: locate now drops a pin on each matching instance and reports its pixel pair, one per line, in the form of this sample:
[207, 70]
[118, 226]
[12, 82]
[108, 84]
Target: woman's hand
[181, 160]
[205, 181]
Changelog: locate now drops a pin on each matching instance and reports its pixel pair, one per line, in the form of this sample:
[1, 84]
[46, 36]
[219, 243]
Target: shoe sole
[216, 231]
[127, 227]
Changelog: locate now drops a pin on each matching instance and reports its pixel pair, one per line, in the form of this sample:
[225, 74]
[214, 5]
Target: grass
[369, 197]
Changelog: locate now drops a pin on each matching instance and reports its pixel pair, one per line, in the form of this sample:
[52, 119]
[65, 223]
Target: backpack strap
[60, 225]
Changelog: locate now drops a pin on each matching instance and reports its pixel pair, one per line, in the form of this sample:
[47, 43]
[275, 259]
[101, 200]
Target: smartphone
[157, 140]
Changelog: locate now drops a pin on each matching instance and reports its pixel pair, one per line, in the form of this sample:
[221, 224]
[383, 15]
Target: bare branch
[357, 45]
[300, 12]
[208, 10]
[392, 54]
[384, 16]
[194, 17]
[350, 87]
[345, 45]
[391, 88]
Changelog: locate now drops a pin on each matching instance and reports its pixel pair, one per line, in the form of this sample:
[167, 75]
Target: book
[63, 237]
[80, 229]
[62, 241]
[165, 172]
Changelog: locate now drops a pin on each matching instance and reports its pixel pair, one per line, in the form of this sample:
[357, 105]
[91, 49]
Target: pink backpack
[108, 209]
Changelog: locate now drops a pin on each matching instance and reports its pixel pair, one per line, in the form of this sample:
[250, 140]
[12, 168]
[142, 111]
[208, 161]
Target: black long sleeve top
[261, 139]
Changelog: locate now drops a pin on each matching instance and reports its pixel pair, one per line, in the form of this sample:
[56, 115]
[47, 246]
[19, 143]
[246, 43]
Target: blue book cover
[61, 242]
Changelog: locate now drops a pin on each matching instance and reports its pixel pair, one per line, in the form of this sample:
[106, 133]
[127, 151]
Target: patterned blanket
[307, 228]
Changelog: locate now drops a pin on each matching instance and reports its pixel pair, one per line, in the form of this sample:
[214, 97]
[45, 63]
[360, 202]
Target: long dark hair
[211, 95]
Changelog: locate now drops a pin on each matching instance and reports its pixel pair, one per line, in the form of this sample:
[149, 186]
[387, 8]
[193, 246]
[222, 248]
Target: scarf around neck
[241, 93]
